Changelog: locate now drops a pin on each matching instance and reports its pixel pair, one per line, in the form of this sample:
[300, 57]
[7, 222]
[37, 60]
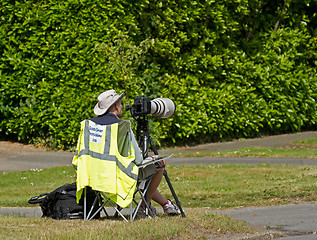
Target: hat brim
[100, 111]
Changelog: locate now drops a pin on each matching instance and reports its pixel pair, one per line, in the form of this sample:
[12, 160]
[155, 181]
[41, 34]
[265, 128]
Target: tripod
[145, 140]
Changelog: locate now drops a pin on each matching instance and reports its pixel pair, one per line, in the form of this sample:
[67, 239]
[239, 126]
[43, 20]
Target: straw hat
[106, 100]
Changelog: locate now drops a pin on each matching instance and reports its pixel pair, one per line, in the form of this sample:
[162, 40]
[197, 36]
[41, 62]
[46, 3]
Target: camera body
[158, 107]
[141, 106]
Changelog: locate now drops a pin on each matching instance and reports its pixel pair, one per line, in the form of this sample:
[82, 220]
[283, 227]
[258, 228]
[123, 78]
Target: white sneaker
[171, 209]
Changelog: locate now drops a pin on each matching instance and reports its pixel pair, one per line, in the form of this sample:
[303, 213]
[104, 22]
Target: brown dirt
[9, 149]
[18, 147]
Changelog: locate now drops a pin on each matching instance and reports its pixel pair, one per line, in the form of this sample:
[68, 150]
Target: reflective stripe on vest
[105, 155]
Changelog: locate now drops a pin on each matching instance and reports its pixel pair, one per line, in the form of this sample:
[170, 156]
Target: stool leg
[85, 206]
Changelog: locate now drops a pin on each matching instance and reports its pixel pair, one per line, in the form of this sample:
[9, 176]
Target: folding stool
[102, 199]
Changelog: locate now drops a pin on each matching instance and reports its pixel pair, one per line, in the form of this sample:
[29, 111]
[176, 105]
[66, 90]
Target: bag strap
[37, 199]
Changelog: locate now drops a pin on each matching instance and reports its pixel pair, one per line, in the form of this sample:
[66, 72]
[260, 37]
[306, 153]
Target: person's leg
[157, 197]
[168, 207]
[153, 193]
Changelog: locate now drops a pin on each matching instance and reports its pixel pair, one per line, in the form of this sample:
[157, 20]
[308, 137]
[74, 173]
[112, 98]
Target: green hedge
[234, 68]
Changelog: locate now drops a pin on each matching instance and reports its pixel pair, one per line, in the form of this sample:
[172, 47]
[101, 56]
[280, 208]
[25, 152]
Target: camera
[158, 107]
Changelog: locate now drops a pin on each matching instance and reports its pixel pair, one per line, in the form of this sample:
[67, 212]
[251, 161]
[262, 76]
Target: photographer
[109, 111]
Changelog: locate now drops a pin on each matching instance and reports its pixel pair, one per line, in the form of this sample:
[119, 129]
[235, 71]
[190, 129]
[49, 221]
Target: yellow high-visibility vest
[104, 160]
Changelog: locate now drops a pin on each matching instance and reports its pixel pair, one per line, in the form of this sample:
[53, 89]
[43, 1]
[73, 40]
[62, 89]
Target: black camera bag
[61, 203]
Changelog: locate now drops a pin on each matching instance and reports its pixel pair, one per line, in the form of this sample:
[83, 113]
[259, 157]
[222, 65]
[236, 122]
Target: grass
[311, 142]
[197, 225]
[299, 149]
[293, 152]
[17, 187]
[227, 186]
[214, 186]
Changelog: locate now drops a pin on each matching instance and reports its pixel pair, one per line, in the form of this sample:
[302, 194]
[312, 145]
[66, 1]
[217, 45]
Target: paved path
[26, 160]
[297, 221]
[300, 221]
[16, 157]
[40, 160]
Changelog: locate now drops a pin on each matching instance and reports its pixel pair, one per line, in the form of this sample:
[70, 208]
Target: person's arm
[138, 153]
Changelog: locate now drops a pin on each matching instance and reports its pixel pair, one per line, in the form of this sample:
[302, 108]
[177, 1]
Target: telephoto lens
[162, 107]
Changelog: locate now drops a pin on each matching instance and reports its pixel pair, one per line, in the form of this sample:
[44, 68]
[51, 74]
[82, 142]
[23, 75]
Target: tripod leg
[173, 193]
[146, 138]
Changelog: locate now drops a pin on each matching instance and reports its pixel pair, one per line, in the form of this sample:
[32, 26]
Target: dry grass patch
[197, 225]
